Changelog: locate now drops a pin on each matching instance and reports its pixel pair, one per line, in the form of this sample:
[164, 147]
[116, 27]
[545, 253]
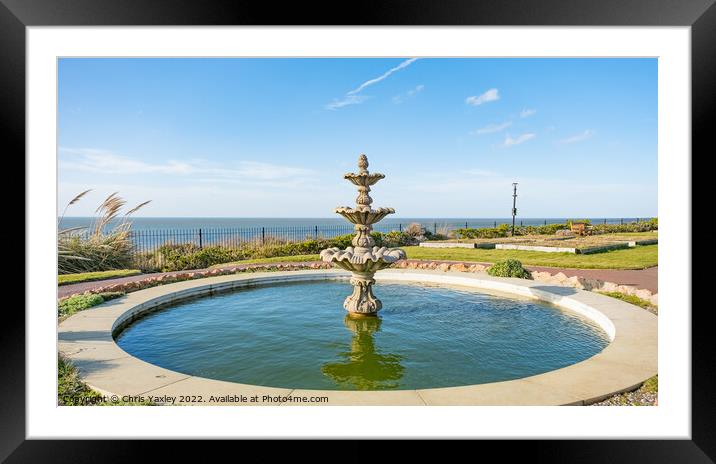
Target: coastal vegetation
[509, 268]
[505, 230]
[73, 304]
[186, 256]
[104, 245]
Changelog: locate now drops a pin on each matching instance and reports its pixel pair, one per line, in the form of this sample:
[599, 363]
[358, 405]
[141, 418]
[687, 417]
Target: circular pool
[297, 335]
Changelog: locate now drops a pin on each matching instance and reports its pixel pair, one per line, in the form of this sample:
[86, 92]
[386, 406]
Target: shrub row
[189, 256]
[503, 230]
[644, 226]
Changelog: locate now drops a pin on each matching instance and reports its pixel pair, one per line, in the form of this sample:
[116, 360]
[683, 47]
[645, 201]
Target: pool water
[297, 335]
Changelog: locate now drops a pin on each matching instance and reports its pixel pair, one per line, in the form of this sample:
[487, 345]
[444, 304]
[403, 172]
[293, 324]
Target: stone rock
[609, 287]
[591, 284]
[444, 267]
[541, 275]
[560, 277]
[626, 289]
[573, 281]
[654, 299]
[643, 293]
[459, 267]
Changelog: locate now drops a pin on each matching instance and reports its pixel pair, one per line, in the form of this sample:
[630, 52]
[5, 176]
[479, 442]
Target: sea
[191, 223]
[150, 233]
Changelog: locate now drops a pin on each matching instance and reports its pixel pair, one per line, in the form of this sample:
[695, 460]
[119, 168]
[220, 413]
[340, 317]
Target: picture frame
[700, 15]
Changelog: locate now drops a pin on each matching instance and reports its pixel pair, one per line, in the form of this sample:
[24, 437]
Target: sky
[272, 137]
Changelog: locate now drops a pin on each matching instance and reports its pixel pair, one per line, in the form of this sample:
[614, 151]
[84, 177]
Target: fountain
[363, 259]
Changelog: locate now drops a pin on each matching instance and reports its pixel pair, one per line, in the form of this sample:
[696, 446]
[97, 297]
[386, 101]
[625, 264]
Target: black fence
[150, 240]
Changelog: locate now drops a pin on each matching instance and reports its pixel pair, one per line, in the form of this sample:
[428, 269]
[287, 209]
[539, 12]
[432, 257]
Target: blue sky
[273, 137]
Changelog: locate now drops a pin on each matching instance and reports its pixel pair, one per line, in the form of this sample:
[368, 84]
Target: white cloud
[579, 137]
[106, 162]
[490, 128]
[367, 83]
[490, 95]
[527, 112]
[409, 94]
[351, 98]
[509, 141]
[345, 101]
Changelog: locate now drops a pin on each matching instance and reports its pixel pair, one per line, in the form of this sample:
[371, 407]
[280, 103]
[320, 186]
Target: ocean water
[149, 233]
[390, 223]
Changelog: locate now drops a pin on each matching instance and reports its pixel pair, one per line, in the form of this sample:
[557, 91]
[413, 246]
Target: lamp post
[514, 206]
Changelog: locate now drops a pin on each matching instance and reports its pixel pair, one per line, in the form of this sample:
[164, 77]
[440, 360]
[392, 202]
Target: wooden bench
[581, 228]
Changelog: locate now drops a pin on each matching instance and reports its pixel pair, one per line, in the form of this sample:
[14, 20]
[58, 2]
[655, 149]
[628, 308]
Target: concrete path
[640, 278]
[645, 278]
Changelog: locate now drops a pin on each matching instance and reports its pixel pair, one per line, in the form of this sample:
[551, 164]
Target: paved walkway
[640, 278]
[645, 278]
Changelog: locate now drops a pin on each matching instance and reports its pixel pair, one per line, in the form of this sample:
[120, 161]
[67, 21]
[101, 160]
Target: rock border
[559, 278]
[86, 339]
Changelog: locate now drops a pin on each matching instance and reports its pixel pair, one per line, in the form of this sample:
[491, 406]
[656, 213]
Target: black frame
[15, 15]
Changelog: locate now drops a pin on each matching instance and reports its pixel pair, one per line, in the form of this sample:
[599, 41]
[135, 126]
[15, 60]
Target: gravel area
[646, 395]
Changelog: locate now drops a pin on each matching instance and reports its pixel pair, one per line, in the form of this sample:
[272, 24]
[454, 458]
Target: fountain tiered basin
[363, 259]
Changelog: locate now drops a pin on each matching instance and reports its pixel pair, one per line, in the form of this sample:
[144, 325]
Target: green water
[298, 336]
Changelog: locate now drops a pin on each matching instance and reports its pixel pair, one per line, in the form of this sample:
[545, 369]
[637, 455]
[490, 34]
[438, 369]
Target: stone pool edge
[86, 339]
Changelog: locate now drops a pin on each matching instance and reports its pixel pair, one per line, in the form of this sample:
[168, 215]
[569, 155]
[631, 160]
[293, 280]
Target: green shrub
[642, 226]
[548, 229]
[485, 232]
[509, 268]
[179, 257]
[503, 230]
[396, 239]
[76, 303]
[431, 236]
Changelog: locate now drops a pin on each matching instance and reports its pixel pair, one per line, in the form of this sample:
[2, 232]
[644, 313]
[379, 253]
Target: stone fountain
[363, 259]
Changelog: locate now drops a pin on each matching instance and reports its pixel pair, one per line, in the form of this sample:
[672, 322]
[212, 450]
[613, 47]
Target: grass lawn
[639, 257]
[635, 300]
[64, 279]
[275, 259]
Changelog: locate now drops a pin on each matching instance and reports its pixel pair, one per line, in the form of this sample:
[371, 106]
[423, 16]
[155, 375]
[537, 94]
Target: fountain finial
[363, 259]
[363, 163]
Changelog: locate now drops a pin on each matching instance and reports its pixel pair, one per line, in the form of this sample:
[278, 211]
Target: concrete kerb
[87, 340]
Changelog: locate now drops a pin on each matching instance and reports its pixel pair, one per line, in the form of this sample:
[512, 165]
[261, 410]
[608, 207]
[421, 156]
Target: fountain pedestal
[363, 259]
[362, 300]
